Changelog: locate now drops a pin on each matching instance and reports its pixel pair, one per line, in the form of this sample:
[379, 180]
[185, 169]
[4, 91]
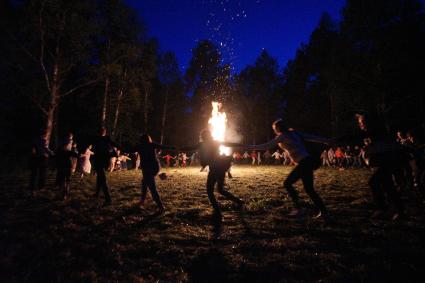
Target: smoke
[232, 134]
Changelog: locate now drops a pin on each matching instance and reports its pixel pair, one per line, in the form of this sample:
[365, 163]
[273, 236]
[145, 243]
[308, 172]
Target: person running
[294, 143]
[168, 158]
[218, 166]
[150, 168]
[103, 149]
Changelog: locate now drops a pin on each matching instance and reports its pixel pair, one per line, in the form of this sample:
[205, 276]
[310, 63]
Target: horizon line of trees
[78, 65]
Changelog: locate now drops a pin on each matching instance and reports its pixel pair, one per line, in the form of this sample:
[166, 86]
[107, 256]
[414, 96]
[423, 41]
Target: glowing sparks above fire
[218, 123]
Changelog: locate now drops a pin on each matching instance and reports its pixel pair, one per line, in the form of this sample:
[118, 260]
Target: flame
[218, 123]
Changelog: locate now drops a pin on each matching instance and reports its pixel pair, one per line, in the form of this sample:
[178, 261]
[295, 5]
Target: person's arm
[314, 138]
[273, 143]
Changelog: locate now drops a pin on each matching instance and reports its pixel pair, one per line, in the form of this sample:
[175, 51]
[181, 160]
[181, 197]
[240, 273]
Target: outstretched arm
[273, 143]
[314, 138]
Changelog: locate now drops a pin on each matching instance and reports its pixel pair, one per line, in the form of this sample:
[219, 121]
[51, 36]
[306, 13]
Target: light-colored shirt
[292, 141]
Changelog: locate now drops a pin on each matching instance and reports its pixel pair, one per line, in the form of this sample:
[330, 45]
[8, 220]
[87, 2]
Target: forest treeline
[73, 66]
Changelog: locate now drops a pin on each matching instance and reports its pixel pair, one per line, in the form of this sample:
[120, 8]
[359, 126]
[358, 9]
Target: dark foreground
[45, 239]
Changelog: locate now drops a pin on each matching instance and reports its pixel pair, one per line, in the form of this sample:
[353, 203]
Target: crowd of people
[396, 164]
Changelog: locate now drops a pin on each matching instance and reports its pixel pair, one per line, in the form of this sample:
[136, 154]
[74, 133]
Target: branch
[39, 105]
[71, 91]
[25, 50]
[43, 67]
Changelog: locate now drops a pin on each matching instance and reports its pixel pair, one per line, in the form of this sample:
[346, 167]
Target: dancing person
[331, 156]
[64, 166]
[74, 157]
[85, 161]
[294, 143]
[277, 156]
[253, 157]
[168, 158]
[103, 149]
[246, 157]
[39, 161]
[218, 166]
[150, 168]
[324, 157]
[385, 156]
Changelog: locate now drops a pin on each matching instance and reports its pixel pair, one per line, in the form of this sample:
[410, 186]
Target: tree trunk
[50, 117]
[105, 103]
[164, 116]
[117, 111]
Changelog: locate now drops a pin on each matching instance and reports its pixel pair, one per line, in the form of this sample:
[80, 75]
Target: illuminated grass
[44, 239]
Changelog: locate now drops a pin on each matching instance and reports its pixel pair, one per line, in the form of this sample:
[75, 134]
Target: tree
[261, 98]
[56, 37]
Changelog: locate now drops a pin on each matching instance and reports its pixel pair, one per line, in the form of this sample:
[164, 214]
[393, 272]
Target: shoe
[323, 215]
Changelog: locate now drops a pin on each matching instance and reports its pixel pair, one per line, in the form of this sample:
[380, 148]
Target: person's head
[361, 120]
[90, 147]
[102, 131]
[205, 135]
[145, 139]
[279, 126]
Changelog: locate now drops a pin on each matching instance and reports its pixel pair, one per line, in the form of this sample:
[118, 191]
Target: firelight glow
[218, 123]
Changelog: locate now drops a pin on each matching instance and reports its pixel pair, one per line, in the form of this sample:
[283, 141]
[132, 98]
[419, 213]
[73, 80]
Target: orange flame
[218, 123]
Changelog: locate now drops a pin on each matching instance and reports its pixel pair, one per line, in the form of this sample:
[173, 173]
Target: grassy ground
[45, 239]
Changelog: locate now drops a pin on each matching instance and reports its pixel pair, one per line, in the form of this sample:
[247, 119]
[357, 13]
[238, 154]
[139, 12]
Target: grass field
[44, 239]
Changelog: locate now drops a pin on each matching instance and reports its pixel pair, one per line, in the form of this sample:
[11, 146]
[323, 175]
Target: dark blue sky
[240, 27]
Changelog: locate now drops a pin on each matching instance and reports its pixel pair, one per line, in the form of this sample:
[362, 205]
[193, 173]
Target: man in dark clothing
[103, 148]
[386, 157]
[39, 162]
[209, 151]
[64, 158]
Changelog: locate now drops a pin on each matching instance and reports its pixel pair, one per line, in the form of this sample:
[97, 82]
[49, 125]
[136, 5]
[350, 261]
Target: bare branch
[37, 103]
[42, 44]
[24, 49]
[71, 91]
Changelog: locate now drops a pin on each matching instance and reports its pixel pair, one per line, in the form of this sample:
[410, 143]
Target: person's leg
[225, 193]
[103, 184]
[154, 192]
[211, 180]
[307, 178]
[390, 189]
[288, 184]
[375, 183]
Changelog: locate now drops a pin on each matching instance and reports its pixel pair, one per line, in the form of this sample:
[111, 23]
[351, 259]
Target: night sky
[241, 28]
